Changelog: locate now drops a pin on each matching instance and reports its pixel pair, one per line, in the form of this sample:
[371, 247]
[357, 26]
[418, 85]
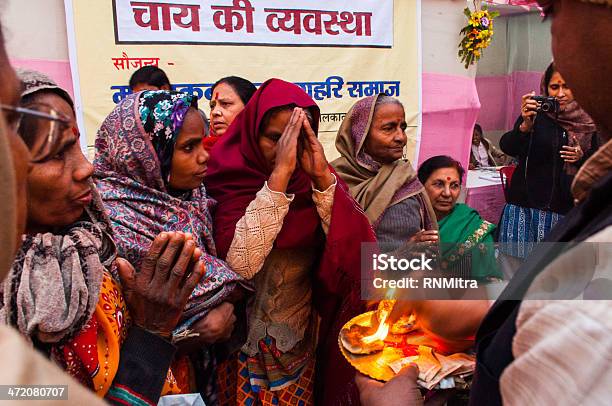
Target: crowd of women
[246, 238]
[276, 228]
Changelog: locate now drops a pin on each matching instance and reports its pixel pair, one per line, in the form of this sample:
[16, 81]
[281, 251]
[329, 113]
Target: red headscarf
[237, 170]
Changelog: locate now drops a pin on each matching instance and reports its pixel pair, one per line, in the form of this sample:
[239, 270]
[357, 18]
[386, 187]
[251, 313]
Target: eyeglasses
[40, 126]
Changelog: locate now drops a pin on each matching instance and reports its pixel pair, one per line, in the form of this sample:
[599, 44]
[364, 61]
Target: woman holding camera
[551, 139]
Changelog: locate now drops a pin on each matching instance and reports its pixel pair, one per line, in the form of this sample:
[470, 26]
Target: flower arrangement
[477, 34]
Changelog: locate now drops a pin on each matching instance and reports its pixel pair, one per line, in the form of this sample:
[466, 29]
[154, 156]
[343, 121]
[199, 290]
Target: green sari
[463, 232]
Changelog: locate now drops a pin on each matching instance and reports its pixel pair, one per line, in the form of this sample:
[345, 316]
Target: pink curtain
[450, 109]
[523, 3]
[56, 70]
[500, 97]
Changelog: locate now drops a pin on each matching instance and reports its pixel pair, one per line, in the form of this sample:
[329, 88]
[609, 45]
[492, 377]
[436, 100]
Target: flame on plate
[383, 328]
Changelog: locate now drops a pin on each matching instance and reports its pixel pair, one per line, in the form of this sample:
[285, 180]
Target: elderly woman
[550, 147]
[149, 168]
[64, 292]
[287, 223]
[466, 240]
[371, 143]
[229, 96]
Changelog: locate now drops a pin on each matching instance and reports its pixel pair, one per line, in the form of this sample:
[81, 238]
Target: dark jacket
[540, 180]
[496, 333]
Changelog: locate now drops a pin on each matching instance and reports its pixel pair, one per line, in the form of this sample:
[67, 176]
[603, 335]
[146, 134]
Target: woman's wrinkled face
[59, 189]
[190, 158]
[271, 133]
[387, 137]
[224, 107]
[558, 88]
[443, 187]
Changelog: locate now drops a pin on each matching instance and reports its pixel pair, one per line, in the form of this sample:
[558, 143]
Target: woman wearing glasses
[63, 291]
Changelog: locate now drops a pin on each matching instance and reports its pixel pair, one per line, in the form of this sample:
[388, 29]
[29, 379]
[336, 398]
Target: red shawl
[237, 171]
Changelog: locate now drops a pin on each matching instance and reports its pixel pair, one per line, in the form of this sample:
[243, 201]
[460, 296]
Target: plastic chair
[505, 173]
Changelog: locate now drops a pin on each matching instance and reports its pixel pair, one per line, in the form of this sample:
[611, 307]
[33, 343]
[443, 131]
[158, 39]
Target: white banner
[356, 23]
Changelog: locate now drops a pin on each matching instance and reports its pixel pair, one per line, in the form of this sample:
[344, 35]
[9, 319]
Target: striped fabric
[240, 385]
[123, 395]
[521, 228]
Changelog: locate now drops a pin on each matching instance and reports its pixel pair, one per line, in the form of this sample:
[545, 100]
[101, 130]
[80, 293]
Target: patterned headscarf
[573, 119]
[375, 186]
[134, 144]
[162, 114]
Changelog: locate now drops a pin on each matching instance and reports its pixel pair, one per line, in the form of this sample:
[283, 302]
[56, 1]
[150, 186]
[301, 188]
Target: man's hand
[156, 296]
[453, 323]
[402, 390]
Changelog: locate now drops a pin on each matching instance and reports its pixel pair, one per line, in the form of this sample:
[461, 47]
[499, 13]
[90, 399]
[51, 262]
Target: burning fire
[383, 328]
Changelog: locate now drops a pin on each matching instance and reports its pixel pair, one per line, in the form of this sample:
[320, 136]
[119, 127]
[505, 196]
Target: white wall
[441, 22]
[521, 43]
[35, 29]
[494, 60]
[528, 43]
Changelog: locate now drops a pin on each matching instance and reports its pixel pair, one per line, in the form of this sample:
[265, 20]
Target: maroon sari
[238, 170]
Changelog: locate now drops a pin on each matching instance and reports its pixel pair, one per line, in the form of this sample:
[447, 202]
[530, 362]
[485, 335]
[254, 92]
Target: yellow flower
[477, 54]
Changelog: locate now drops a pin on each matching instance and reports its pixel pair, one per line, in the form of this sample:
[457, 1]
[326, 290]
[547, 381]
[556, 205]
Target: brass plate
[377, 365]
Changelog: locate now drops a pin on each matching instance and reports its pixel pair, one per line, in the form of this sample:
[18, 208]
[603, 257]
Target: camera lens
[545, 107]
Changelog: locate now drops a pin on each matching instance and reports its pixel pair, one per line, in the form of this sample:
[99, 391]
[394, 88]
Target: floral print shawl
[134, 150]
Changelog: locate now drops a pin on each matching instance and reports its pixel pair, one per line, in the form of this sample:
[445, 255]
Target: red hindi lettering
[136, 63]
[333, 21]
[141, 9]
[186, 10]
[312, 22]
[150, 61]
[292, 20]
[347, 18]
[139, 14]
[120, 62]
[281, 22]
[224, 17]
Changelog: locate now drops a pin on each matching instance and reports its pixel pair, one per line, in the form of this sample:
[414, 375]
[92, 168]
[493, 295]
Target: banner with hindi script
[305, 22]
[338, 51]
